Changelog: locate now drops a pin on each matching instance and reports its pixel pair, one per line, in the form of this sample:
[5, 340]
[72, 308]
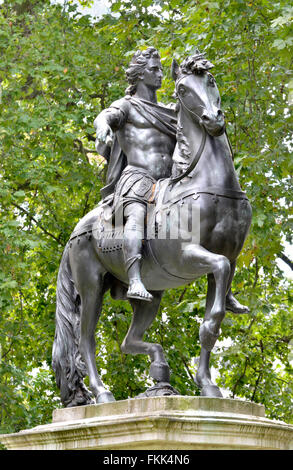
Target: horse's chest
[224, 215]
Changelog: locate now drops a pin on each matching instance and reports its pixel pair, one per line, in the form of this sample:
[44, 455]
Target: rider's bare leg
[232, 303]
[134, 214]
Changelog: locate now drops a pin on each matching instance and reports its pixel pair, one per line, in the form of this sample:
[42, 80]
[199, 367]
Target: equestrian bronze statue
[172, 211]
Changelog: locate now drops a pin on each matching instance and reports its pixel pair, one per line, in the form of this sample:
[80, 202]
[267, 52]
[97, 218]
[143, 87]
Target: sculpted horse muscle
[204, 182]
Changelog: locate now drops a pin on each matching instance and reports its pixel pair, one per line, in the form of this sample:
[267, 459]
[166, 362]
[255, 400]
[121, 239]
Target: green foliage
[30, 394]
[57, 71]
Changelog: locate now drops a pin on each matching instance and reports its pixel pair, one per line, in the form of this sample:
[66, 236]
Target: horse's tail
[67, 363]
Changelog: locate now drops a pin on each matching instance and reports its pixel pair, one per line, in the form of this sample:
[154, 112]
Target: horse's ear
[174, 70]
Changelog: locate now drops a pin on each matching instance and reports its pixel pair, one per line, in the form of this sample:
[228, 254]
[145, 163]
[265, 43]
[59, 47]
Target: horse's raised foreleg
[88, 275]
[232, 303]
[218, 269]
[143, 316]
[210, 329]
[206, 262]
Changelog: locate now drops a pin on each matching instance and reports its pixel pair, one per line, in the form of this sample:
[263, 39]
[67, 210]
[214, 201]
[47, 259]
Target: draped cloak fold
[162, 118]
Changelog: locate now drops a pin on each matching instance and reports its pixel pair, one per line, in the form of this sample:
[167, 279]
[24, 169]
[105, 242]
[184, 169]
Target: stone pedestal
[170, 422]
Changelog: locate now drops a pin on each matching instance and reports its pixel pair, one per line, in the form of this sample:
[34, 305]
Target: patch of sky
[98, 8]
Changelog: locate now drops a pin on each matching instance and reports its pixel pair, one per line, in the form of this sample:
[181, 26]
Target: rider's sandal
[136, 295]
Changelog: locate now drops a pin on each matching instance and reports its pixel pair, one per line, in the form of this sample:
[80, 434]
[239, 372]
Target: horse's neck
[214, 165]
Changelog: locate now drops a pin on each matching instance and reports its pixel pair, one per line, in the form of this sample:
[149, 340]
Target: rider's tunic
[135, 185]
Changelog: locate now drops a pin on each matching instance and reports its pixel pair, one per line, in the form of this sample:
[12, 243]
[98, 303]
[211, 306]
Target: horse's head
[198, 93]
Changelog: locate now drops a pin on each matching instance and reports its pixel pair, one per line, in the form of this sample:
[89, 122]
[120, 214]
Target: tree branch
[18, 330]
[122, 355]
[31, 217]
[90, 137]
[286, 260]
[80, 147]
[261, 345]
[186, 367]
[256, 273]
[86, 206]
[240, 378]
[256, 386]
[182, 295]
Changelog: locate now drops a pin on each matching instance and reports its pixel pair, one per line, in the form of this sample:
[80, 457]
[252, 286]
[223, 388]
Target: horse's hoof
[208, 390]
[105, 397]
[232, 305]
[211, 391]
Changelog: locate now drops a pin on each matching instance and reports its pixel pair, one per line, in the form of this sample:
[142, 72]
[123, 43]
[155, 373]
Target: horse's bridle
[203, 140]
[177, 94]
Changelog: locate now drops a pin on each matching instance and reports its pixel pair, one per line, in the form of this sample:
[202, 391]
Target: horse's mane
[196, 64]
[183, 144]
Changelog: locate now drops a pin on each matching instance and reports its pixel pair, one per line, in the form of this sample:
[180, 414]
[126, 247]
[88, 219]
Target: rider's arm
[110, 120]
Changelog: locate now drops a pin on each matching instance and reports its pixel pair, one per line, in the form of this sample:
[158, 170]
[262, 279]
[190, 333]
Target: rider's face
[153, 74]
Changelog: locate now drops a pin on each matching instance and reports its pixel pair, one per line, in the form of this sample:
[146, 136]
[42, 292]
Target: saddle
[109, 233]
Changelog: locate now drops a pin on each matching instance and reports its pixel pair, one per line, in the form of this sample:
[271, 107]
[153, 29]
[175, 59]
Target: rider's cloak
[161, 117]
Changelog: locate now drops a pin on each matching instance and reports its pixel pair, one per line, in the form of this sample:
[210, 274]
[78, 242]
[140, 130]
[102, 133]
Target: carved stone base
[158, 423]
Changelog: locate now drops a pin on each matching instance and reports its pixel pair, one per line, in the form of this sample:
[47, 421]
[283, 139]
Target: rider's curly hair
[137, 66]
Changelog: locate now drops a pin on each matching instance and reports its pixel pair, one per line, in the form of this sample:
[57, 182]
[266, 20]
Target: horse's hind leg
[143, 316]
[88, 276]
[91, 303]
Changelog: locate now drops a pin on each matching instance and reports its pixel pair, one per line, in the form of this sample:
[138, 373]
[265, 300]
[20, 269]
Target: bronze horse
[204, 182]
